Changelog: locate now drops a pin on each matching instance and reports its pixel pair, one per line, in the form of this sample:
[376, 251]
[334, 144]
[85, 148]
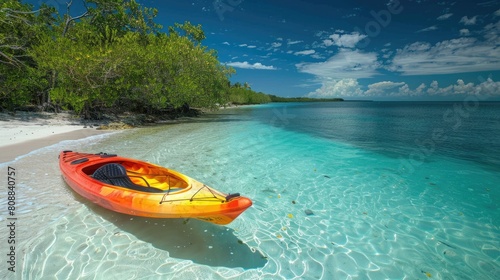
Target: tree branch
[18, 12]
[70, 19]
[10, 60]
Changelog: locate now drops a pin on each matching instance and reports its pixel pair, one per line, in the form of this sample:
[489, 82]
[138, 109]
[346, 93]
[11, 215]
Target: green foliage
[195, 33]
[115, 57]
[112, 19]
[244, 95]
[21, 83]
[112, 55]
[85, 75]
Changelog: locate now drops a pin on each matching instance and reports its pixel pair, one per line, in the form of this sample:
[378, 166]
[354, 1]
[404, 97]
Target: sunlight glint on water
[373, 215]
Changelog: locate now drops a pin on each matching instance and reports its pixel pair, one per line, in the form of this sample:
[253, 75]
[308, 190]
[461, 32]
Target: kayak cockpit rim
[160, 180]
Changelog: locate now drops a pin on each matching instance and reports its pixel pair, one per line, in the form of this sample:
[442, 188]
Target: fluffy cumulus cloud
[476, 50]
[346, 64]
[338, 88]
[350, 88]
[344, 40]
[255, 66]
[484, 89]
[383, 88]
[460, 55]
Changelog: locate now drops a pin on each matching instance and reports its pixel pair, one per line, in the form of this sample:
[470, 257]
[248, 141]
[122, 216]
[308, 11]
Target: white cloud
[255, 66]
[468, 21]
[226, 43]
[247, 46]
[418, 46]
[460, 55]
[346, 64]
[306, 52]
[338, 75]
[445, 16]
[338, 88]
[350, 88]
[497, 13]
[276, 45]
[421, 88]
[328, 42]
[317, 56]
[405, 90]
[486, 88]
[293, 42]
[464, 32]
[492, 32]
[344, 40]
[381, 88]
[433, 88]
[430, 28]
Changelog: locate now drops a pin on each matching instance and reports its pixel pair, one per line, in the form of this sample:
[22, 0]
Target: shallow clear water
[396, 190]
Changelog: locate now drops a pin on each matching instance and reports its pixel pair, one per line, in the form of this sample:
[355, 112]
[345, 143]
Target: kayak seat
[115, 174]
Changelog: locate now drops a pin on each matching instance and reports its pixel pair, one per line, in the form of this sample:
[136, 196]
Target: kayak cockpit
[116, 175]
[136, 177]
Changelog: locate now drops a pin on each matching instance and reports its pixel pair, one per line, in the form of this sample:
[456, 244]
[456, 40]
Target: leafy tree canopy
[111, 56]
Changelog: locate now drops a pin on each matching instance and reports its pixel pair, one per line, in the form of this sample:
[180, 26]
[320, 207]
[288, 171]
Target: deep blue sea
[344, 190]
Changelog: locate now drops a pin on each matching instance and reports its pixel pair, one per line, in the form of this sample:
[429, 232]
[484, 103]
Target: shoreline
[12, 151]
[24, 132]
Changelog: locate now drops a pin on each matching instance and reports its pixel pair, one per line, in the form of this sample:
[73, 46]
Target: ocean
[342, 190]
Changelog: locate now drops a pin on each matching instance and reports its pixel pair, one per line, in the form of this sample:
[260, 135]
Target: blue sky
[378, 50]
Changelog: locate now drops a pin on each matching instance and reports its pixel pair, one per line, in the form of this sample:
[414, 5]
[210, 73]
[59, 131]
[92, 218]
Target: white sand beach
[24, 132]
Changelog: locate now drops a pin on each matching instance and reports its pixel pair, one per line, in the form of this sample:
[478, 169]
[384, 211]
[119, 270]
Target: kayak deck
[143, 189]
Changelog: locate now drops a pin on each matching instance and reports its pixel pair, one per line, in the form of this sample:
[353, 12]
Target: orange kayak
[144, 189]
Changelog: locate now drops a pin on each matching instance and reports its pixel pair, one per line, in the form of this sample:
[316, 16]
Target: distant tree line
[274, 98]
[242, 94]
[112, 56]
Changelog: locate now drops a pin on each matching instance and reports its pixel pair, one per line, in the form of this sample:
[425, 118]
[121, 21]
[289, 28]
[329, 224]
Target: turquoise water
[396, 191]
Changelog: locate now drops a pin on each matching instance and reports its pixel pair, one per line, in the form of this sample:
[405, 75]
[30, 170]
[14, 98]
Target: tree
[113, 54]
[87, 75]
[20, 81]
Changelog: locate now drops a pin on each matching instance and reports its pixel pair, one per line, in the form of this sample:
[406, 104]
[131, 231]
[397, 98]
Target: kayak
[144, 189]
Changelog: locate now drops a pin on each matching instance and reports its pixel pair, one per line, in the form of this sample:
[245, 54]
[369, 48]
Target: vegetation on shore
[112, 57]
[275, 98]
